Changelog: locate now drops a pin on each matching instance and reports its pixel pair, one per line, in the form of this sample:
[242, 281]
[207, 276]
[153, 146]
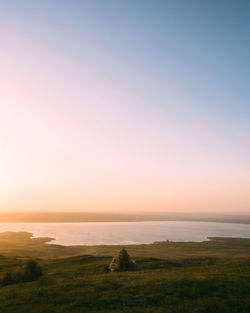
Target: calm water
[128, 232]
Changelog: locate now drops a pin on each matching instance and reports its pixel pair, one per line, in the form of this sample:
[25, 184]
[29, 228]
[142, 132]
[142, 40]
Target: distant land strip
[77, 217]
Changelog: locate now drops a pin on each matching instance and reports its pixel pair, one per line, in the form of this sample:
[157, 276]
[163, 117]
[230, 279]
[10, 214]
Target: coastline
[22, 244]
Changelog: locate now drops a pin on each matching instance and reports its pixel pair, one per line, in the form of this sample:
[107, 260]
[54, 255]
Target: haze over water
[128, 232]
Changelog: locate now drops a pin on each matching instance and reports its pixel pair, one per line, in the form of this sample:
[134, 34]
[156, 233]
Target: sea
[116, 233]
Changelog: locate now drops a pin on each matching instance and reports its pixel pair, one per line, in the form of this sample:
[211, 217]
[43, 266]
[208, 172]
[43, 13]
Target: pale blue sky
[164, 82]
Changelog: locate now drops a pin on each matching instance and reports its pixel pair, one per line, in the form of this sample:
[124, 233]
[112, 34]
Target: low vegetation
[29, 271]
[122, 262]
[194, 279]
[80, 284]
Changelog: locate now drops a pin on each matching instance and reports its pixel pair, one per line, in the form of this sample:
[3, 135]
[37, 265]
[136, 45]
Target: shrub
[122, 262]
[17, 275]
[106, 269]
[30, 270]
[7, 279]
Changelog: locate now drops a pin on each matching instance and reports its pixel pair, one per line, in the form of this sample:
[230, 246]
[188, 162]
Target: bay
[115, 233]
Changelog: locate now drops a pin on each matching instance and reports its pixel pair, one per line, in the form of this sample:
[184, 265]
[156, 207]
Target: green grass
[207, 277]
[79, 284]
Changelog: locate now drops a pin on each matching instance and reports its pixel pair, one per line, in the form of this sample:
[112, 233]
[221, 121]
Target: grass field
[208, 277]
[79, 284]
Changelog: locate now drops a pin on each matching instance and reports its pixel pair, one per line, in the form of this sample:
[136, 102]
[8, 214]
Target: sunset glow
[102, 111]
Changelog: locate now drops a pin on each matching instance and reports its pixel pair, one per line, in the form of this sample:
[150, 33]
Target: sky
[125, 106]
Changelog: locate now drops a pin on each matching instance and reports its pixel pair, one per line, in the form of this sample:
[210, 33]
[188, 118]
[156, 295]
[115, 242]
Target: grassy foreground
[209, 277]
[79, 284]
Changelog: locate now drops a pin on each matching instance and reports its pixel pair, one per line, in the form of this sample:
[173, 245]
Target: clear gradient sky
[125, 106]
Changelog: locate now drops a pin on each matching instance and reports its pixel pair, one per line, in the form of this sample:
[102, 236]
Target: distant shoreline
[23, 244]
[77, 217]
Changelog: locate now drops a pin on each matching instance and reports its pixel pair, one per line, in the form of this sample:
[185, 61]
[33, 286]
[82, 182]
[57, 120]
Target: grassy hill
[80, 284]
[206, 277]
